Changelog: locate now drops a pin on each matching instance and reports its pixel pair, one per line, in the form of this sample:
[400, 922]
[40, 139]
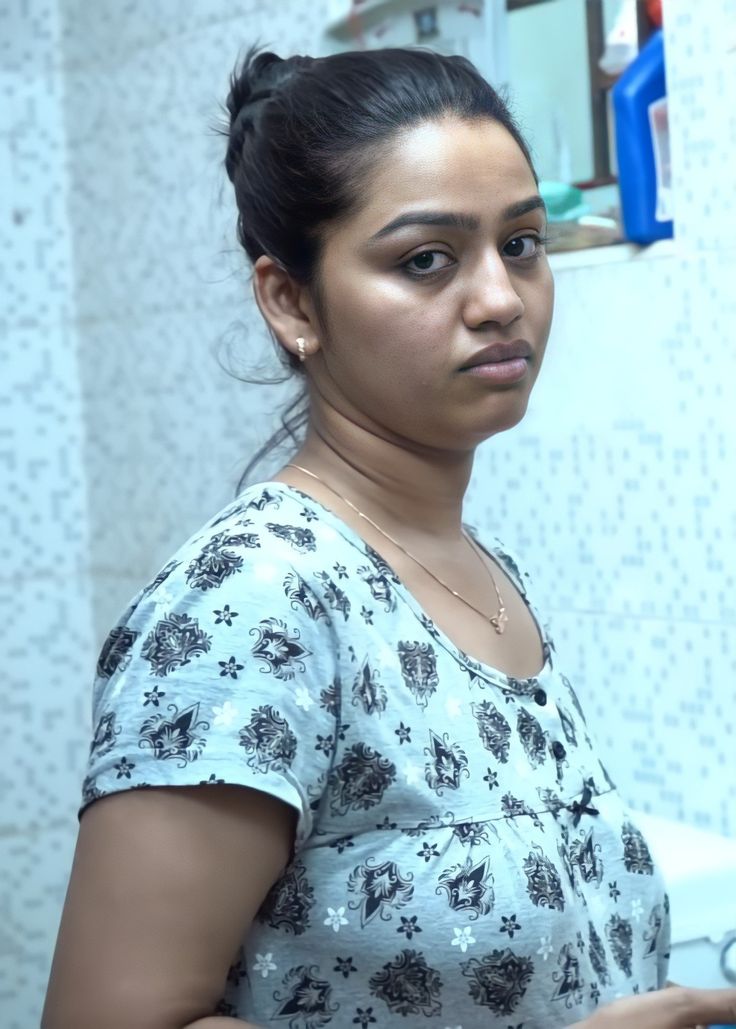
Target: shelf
[617, 253]
[518, 5]
[373, 11]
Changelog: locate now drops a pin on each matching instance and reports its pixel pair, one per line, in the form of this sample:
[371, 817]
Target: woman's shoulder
[255, 555]
[267, 507]
[268, 523]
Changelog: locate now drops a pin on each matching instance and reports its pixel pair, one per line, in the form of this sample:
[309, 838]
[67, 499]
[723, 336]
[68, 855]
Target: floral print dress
[462, 858]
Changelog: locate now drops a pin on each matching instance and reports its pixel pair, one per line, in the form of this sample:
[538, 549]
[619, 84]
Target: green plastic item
[564, 202]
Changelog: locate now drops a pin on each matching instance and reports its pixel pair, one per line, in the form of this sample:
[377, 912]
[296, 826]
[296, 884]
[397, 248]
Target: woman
[337, 777]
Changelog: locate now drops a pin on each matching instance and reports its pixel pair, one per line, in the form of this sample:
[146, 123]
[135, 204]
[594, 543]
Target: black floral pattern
[266, 498]
[494, 730]
[173, 642]
[473, 834]
[499, 980]
[344, 966]
[567, 978]
[361, 779]
[302, 598]
[585, 853]
[544, 885]
[305, 998]
[335, 598]
[447, 764]
[268, 740]
[176, 736]
[381, 566]
[408, 985]
[368, 691]
[620, 936]
[651, 934]
[289, 902]
[513, 807]
[300, 539]
[217, 560]
[468, 888]
[452, 824]
[379, 586]
[419, 669]
[329, 698]
[532, 737]
[551, 800]
[279, 648]
[116, 651]
[90, 790]
[104, 736]
[383, 889]
[636, 853]
[597, 953]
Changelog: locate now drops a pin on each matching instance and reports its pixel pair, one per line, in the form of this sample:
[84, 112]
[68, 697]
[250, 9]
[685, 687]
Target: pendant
[499, 621]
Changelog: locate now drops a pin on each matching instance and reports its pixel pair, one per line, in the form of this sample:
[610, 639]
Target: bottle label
[660, 131]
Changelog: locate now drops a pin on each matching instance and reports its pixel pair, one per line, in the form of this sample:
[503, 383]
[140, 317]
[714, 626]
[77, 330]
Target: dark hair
[303, 136]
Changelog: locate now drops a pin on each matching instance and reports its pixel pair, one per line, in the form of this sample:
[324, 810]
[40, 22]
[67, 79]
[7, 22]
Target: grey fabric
[462, 857]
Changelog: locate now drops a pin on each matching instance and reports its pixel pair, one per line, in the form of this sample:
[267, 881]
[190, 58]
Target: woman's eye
[523, 247]
[424, 264]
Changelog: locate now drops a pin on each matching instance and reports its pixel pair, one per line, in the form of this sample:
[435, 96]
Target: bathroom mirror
[558, 92]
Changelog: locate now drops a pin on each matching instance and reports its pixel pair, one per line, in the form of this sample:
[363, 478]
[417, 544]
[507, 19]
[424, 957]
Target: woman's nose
[492, 295]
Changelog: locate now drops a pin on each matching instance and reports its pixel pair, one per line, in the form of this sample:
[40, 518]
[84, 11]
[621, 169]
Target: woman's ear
[286, 307]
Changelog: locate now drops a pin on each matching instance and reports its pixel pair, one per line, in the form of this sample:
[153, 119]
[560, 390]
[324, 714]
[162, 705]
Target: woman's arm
[676, 1007]
[165, 883]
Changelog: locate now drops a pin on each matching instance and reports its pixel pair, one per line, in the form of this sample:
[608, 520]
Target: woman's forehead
[470, 165]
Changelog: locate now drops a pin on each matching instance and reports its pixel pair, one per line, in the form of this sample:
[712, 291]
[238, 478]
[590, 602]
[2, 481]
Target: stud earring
[300, 345]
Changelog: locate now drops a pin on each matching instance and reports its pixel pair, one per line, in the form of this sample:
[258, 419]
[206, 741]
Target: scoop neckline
[513, 683]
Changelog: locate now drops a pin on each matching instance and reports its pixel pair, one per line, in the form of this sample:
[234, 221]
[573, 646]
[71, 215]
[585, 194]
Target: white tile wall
[35, 873]
[701, 71]
[120, 434]
[43, 502]
[120, 285]
[45, 590]
[34, 246]
[617, 489]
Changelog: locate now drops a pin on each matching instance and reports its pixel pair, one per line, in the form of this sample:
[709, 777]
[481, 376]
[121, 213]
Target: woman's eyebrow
[456, 220]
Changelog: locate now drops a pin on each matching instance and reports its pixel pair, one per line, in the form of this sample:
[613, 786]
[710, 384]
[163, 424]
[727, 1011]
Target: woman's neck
[402, 488]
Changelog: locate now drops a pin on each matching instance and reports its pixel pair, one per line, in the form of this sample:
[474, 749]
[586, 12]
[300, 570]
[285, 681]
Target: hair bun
[259, 77]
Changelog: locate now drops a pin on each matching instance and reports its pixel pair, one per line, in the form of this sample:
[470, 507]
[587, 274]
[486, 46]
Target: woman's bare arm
[164, 885]
[675, 1007]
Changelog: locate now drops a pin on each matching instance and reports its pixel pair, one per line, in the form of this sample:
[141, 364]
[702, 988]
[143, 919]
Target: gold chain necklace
[498, 621]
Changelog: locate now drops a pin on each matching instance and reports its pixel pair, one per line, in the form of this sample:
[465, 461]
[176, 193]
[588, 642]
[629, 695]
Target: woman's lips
[511, 370]
[502, 362]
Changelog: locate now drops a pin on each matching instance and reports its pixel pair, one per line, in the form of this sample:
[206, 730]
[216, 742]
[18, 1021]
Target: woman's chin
[506, 419]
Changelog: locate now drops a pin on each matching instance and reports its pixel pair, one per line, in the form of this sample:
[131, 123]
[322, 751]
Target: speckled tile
[658, 699]
[621, 495]
[701, 82]
[149, 450]
[120, 435]
[36, 866]
[36, 271]
[48, 667]
[43, 505]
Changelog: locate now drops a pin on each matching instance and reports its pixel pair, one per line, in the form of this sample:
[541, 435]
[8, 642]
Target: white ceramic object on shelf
[476, 29]
[622, 42]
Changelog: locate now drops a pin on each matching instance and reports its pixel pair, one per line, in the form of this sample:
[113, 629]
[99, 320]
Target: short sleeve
[222, 670]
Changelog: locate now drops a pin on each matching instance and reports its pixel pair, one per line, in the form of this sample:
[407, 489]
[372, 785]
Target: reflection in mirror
[550, 85]
[560, 94]
[564, 56]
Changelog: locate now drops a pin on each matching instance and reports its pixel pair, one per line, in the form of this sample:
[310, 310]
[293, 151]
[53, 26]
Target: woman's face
[410, 307]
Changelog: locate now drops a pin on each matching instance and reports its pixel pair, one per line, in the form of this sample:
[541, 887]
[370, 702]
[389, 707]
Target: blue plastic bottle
[642, 145]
